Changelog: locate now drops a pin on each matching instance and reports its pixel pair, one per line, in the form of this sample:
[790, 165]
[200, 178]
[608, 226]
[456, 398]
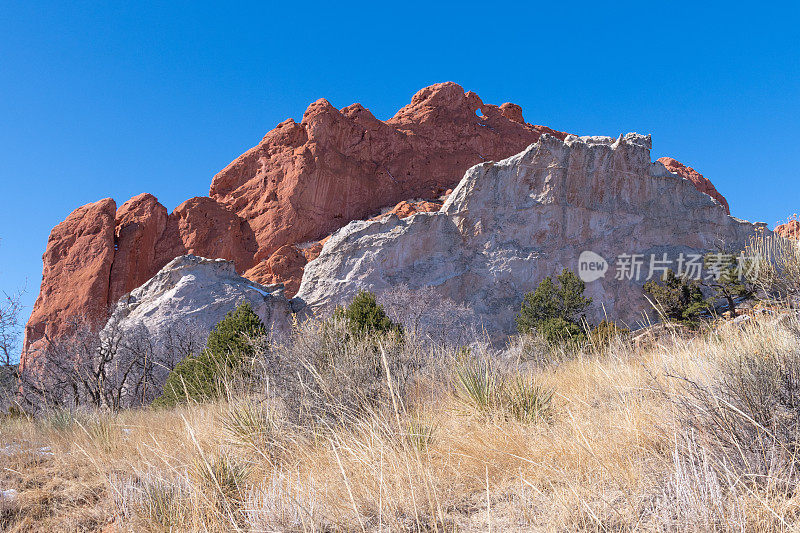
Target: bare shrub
[774, 267]
[116, 369]
[429, 317]
[10, 336]
[746, 415]
[10, 326]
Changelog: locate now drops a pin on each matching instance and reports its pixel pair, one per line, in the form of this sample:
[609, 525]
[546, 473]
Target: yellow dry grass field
[655, 437]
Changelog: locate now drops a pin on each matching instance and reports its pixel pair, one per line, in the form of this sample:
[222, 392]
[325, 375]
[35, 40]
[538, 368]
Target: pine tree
[555, 310]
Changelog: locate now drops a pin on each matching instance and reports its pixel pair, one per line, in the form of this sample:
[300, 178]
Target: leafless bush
[747, 416]
[321, 372]
[10, 326]
[775, 267]
[114, 369]
[429, 317]
[10, 334]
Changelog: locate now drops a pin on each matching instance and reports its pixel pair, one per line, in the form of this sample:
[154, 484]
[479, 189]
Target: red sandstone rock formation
[790, 230]
[139, 224]
[303, 181]
[76, 271]
[702, 184]
[204, 227]
[407, 208]
[299, 184]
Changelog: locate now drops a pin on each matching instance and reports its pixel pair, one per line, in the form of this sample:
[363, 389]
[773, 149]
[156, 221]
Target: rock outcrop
[790, 230]
[268, 210]
[509, 224]
[305, 180]
[77, 267]
[197, 292]
[140, 222]
[702, 184]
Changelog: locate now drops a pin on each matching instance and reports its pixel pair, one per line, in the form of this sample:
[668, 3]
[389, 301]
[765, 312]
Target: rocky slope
[509, 224]
[269, 209]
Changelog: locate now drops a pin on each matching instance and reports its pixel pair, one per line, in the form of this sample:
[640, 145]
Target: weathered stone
[284, 266]
[203, 227]
[75, 274]
[198, 292]
[509, 224]
[406, 208]
[305, 180]
[790, 230]
[139, 224]
[702, 184]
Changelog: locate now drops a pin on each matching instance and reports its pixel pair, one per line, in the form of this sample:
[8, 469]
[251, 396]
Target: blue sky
[101, 100]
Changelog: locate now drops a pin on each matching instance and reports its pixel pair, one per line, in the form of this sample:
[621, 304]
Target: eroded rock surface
[197, 292]
[305, 180]
[269, 207]
[509, 224]
[702, 184]
[790, 230]
[75, 273]
[140, 222]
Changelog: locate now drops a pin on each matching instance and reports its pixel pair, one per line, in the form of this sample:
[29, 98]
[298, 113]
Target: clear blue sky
[105, 100]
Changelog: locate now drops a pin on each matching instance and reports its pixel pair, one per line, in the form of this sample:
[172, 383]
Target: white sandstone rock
[197, 291]
[509, 224]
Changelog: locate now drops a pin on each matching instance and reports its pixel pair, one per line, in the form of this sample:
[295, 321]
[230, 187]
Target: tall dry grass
[478, 440]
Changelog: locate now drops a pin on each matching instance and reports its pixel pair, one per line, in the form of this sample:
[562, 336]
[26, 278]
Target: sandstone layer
[509, 224]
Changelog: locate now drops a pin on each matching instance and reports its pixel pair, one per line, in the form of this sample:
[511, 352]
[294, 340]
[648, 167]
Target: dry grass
[614, 452]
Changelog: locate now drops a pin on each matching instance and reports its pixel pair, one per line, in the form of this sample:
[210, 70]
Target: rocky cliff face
[197, 292]
[269, 209]
[702, 184]
[509, 224]
[77, 268]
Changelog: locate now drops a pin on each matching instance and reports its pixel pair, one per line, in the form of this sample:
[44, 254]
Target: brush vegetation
[377, 419]
[327, 431]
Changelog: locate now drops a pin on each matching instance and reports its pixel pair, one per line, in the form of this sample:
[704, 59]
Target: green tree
[228, 346]
[555, 310]
[679, 298]
[727, 279]
[365, 316]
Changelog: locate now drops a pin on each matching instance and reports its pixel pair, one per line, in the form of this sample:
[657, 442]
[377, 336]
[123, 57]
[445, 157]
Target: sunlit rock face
[268, 210]
[508, 224]
[197, 292]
